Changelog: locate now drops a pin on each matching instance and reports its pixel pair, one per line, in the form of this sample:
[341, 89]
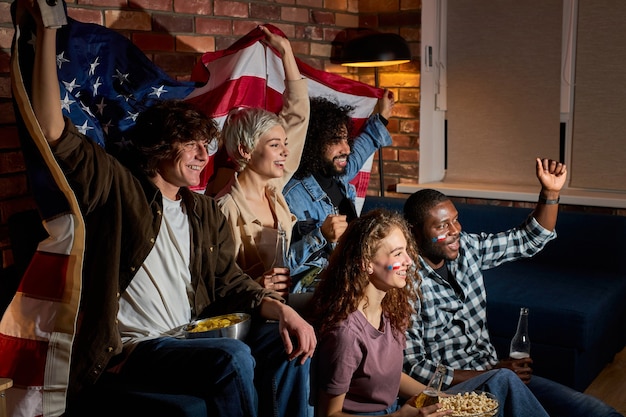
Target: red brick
[105, 3]
[5, 13]
[341, 5]
[286, 1]
[399, 19]
[242, 27]
[5, 63]
[406, 111]
[410, 4]
[86, 15]
[224, 42]
[403, 141]
[172, 23]
[390, 154]
[318, 49]
[5, 87]
[411, 34]
[353, 6]
[410, 126]
[209, 26]
[10, 140]
[322, 17]
[14, 185]
[288, 29]
[16, 205]
[368, 21]
[6, 113]
[301, 48]
[196, 7]
[200, 44]
[123, 19]
[266, 12]
[309, 32]
[408, 155]
[346, 20]
[154, 42]
[6, 37]
[400, 79]
[174, 64]
[378, 6]
[294, 14]
[311, 4]
[230, 8]
[151, 4]
[409, 95]
[12, 162]
[331, 33]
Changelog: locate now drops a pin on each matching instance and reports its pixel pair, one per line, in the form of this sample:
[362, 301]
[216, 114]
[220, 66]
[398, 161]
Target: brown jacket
[122, 214]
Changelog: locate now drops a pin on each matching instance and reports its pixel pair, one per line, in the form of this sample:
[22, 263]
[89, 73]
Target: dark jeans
[214, 377]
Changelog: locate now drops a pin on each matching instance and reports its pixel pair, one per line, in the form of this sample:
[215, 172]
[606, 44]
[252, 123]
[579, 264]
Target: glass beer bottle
[430, 395]
[520, 344]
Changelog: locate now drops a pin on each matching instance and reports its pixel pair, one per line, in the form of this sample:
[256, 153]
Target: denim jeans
[514, 397]
[283, 386]
[562, 401]
[220, 370]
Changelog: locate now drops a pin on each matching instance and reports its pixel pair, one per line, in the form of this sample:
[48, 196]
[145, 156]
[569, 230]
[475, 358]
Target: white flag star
[132, 116]
[96, 85]
[86, 109]
[158, 91]
[61, 59]
[71, 85]
[66, 102]
[84, 128]
[93, 65]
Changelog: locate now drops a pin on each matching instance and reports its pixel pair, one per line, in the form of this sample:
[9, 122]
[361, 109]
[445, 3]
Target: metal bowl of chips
[233, 325]
[471, 404]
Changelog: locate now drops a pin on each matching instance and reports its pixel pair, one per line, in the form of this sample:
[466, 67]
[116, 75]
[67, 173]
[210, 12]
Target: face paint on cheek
[439, 238]
[394, 267]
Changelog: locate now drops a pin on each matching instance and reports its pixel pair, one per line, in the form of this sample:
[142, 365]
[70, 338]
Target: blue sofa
[575, 289]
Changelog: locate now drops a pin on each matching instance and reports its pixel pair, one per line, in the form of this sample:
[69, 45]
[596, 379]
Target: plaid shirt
[452, 324]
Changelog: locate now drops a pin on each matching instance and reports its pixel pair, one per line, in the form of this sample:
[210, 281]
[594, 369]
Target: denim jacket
[311, 205]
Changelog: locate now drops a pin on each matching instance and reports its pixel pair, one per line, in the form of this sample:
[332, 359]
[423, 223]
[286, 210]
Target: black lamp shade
[375, 50]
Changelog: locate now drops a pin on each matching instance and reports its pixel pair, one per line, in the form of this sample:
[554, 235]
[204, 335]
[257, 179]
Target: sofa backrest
[584, 240]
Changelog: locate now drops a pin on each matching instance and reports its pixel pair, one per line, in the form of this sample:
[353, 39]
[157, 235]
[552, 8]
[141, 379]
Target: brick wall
[174, 34]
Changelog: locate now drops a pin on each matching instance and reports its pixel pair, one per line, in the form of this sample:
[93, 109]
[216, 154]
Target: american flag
[249, 74]
[105, 82]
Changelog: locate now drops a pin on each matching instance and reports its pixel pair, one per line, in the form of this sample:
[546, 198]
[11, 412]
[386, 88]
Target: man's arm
[552, 176]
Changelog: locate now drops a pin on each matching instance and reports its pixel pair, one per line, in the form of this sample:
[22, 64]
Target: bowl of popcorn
[234, 326]
[470, 404]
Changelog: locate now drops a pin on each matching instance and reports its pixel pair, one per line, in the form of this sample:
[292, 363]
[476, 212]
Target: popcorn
[470, 404]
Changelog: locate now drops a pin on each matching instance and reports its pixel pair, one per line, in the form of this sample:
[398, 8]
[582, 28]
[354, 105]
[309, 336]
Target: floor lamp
[376, 50]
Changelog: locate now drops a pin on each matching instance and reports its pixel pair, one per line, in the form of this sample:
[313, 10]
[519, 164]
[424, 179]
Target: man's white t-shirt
[158, 298]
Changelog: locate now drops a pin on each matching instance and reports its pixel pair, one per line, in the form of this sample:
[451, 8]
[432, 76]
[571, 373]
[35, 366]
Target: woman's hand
[409, 410]
[277, 279]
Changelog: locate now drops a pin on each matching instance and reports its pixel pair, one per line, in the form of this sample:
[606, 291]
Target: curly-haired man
[320, 194]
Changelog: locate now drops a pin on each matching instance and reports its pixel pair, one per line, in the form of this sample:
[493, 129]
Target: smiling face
[184, 169]
[336, 154]
[270, 153]
[440, 238]
[391, 262]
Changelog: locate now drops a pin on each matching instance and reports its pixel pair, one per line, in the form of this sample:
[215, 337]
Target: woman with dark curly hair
[361, 309]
